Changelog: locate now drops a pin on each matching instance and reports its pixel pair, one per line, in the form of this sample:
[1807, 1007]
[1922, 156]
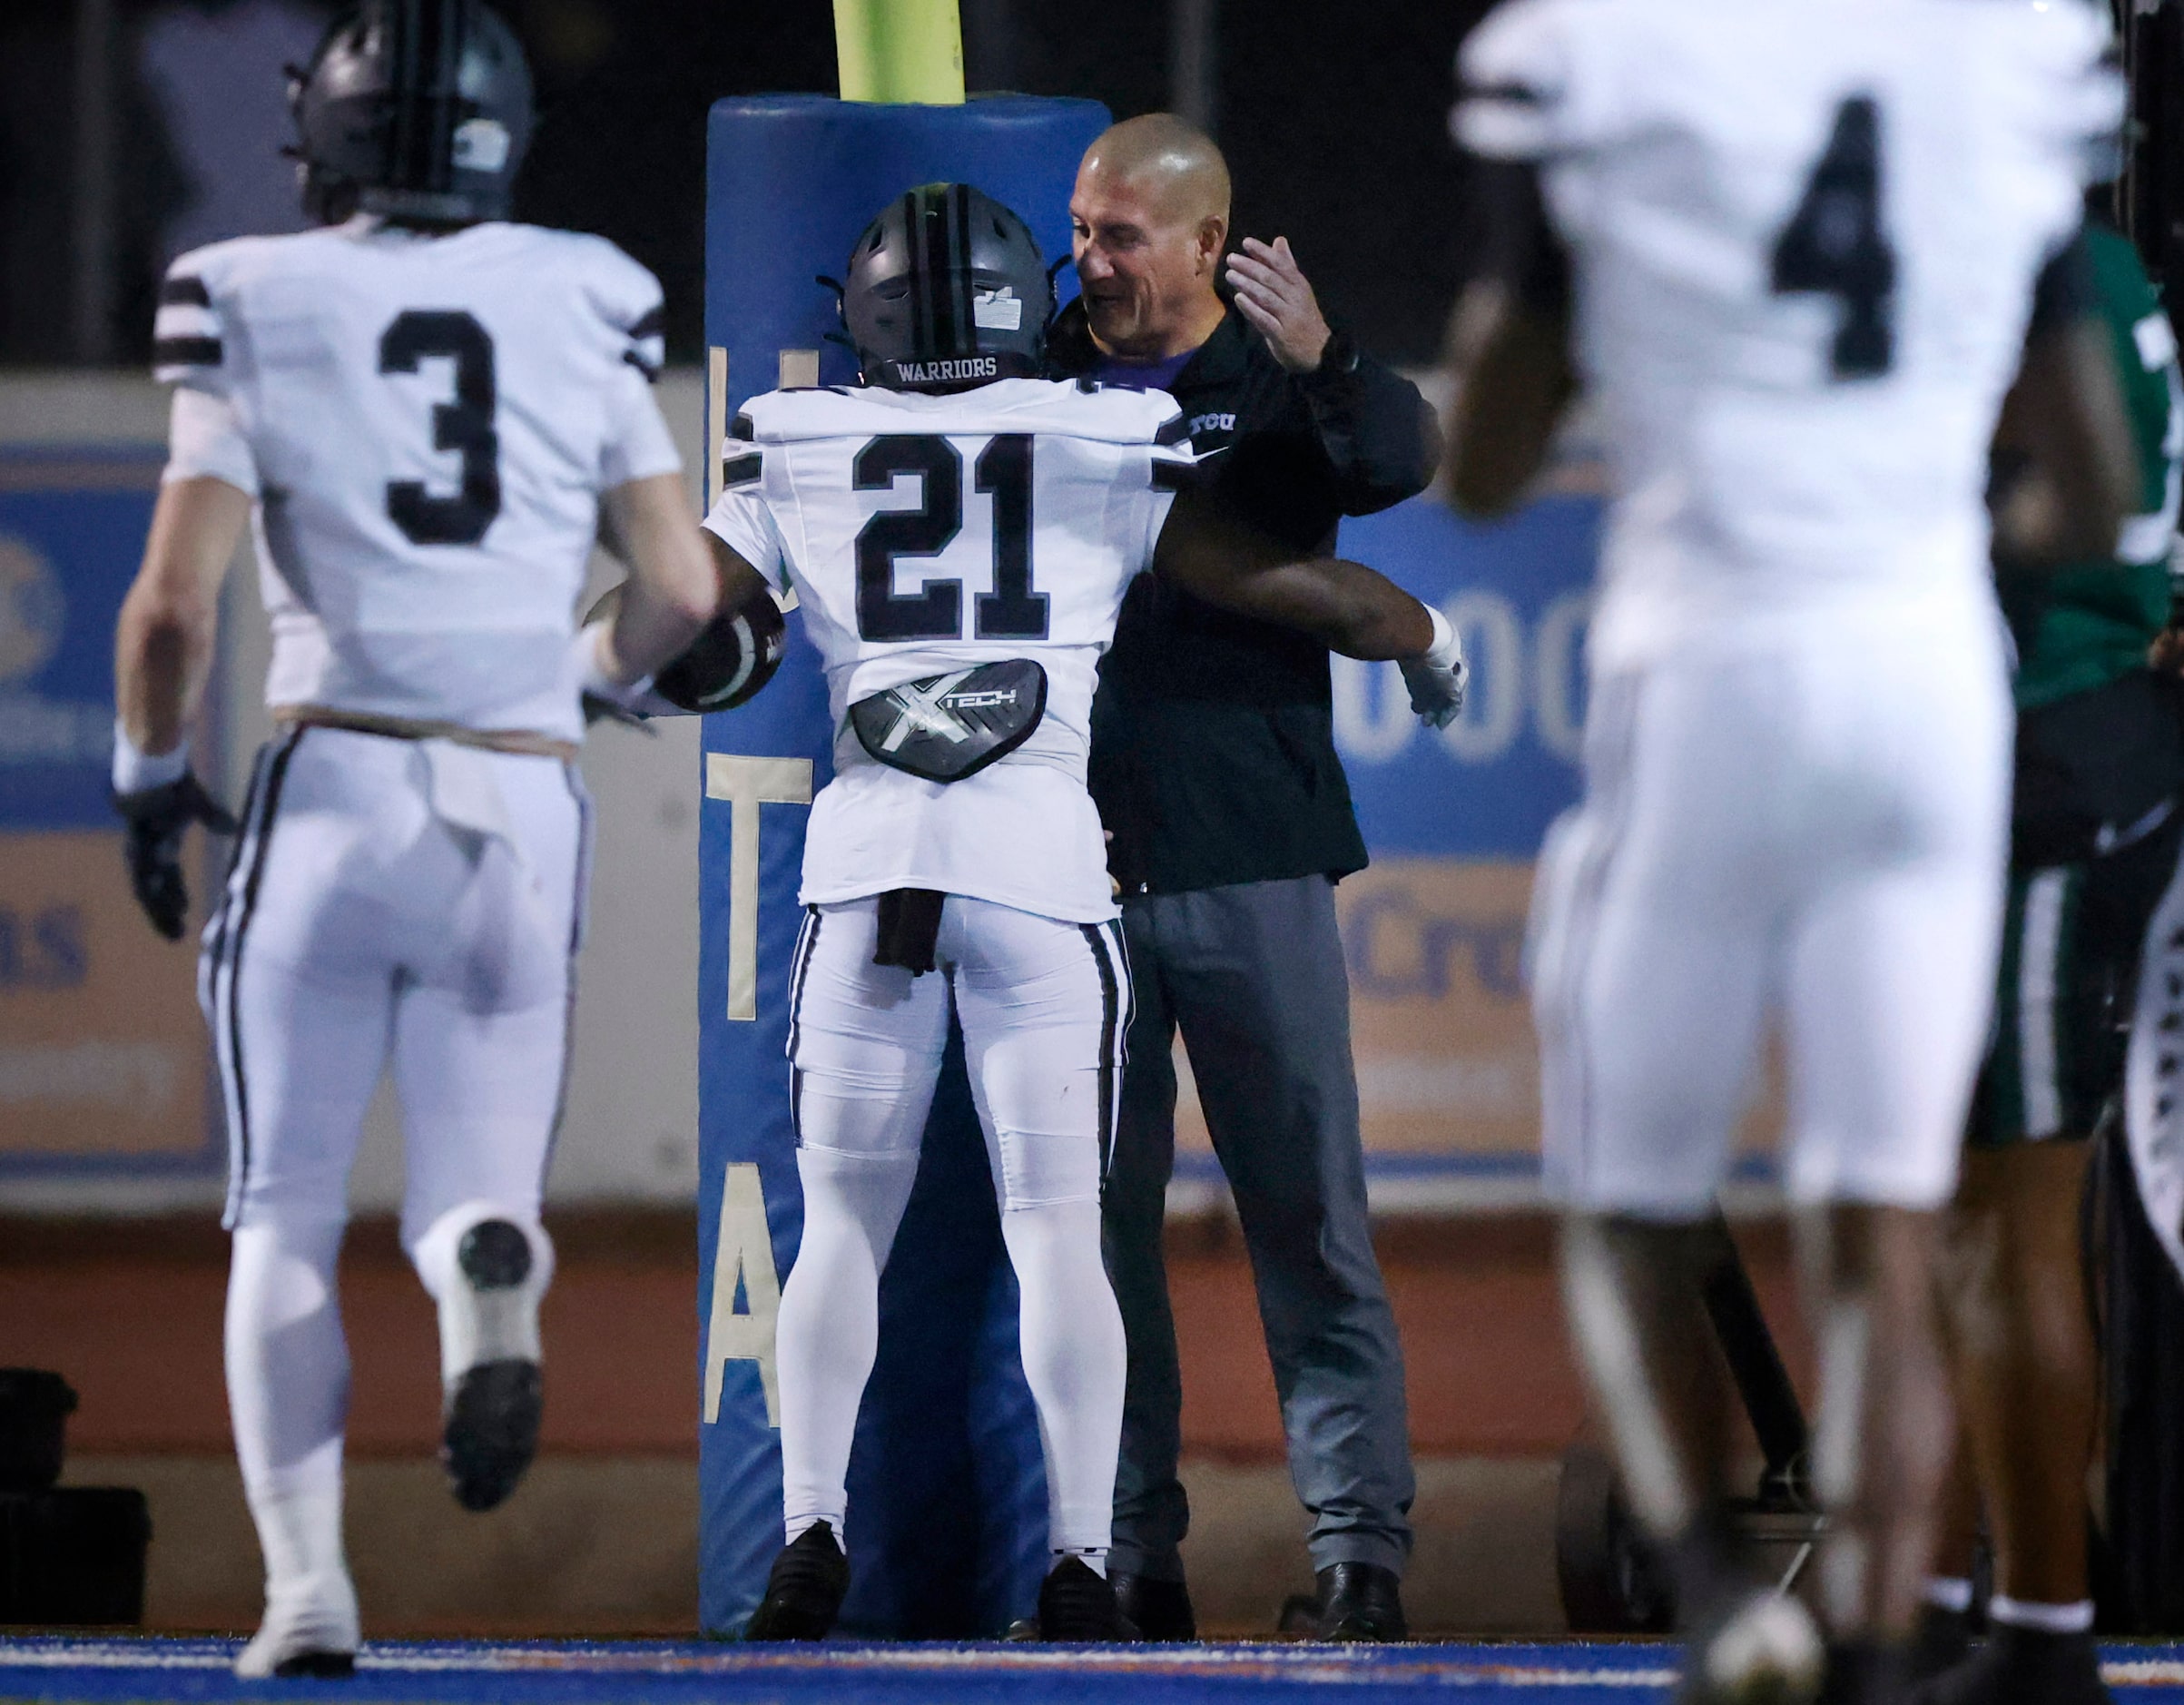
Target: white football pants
[1817, 831]
[392, 903]
[1044, 1007]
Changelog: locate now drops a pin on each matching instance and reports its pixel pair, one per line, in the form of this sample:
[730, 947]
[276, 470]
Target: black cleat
[1941, 1641]
[1158, 1610]
[2021, 1666]
[319, 1666]
[1361, 1602]
[1076, 1604]
[1864, 1673]
[491, 1431]
[804, 1589]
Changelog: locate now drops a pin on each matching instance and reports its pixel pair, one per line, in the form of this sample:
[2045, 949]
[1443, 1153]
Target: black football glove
[600, 709]
[157, 818]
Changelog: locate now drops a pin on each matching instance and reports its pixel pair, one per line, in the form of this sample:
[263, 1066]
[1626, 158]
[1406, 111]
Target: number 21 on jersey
[1012, 610]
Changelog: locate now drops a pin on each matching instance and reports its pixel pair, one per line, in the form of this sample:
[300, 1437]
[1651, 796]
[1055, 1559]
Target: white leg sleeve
[1045, 1006]
[1072, 1340]
[865, 1044]
[287, 1394]
[828, 1331]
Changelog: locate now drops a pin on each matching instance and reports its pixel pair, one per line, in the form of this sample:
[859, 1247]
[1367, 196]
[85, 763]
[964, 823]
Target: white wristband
[592, 678]
[1445, 649]
[135, 772]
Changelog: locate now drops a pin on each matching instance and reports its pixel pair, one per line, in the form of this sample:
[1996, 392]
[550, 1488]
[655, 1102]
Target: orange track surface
[130, 1312]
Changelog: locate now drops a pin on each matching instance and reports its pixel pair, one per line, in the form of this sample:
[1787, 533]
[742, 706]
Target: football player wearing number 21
[1796, 254]
[960, 534]
[420, 409]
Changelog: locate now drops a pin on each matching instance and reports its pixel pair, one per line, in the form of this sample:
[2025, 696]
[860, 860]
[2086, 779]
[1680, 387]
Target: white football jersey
[427, 424]
[923, 535]
[1804, 234]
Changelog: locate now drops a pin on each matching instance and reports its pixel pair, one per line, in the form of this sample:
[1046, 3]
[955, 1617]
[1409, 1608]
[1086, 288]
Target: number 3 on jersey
[465, 425]
[1012, 610]
[1835, 245]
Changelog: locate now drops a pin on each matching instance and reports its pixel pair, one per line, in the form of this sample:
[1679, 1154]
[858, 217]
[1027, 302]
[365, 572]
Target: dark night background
[1333, 117]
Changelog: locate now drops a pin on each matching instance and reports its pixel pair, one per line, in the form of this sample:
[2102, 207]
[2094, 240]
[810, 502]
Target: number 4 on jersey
[1835, 245]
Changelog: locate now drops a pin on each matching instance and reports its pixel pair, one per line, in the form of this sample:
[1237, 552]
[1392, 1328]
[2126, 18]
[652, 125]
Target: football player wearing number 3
[1791, 251]
[960, 534]
[422, 410]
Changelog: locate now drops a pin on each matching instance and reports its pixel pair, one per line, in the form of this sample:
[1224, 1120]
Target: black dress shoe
[1158, 1610]
[2019, 1666]
[1360, 1601]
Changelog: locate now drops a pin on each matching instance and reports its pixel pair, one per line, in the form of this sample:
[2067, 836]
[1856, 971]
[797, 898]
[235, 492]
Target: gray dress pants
[1254, 977]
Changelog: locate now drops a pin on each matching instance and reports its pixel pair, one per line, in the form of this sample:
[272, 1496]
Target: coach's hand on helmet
[1274, 294]
[157, 819]
[1437, 680]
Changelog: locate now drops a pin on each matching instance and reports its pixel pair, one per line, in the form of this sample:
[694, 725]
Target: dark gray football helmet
[417, 110]
[947, 289]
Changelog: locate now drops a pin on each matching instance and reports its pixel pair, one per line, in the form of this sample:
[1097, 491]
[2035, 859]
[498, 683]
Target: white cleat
[1767, 1652]
[310, 1632]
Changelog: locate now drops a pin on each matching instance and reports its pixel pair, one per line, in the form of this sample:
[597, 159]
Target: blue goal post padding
[948, 1510]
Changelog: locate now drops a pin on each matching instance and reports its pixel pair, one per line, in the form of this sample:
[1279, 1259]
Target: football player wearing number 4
[960, 534]
[1791, 251]
[422, 410]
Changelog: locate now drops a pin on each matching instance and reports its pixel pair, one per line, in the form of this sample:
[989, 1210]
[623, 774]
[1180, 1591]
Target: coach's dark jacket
[1213, 740]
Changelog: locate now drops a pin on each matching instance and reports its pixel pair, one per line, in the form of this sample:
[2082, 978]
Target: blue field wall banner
[1434, 929]
[946, 1527]
[102, 1052]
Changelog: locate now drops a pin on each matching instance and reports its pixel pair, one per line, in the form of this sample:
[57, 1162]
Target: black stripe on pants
[230, 944]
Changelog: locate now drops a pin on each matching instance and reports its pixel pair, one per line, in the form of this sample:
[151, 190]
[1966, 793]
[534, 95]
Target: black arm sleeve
[1379, 435]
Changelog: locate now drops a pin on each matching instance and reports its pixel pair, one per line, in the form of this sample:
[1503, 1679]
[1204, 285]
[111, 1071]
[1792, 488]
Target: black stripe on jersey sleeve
[652, 324]
[1175, 429]
[184, 290]
[651, 373]
[740, 470]
[742, 428]
[1175, 476]
[186, 352]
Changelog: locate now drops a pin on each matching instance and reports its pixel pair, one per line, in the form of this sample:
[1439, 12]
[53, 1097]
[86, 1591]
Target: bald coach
[1214, 768]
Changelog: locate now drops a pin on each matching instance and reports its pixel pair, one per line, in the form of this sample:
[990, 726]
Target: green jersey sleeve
[2084, 624]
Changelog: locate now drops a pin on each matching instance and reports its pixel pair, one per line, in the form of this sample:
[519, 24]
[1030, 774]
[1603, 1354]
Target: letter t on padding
[747, 784]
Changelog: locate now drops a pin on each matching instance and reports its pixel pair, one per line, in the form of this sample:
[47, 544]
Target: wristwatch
[1338, 357]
